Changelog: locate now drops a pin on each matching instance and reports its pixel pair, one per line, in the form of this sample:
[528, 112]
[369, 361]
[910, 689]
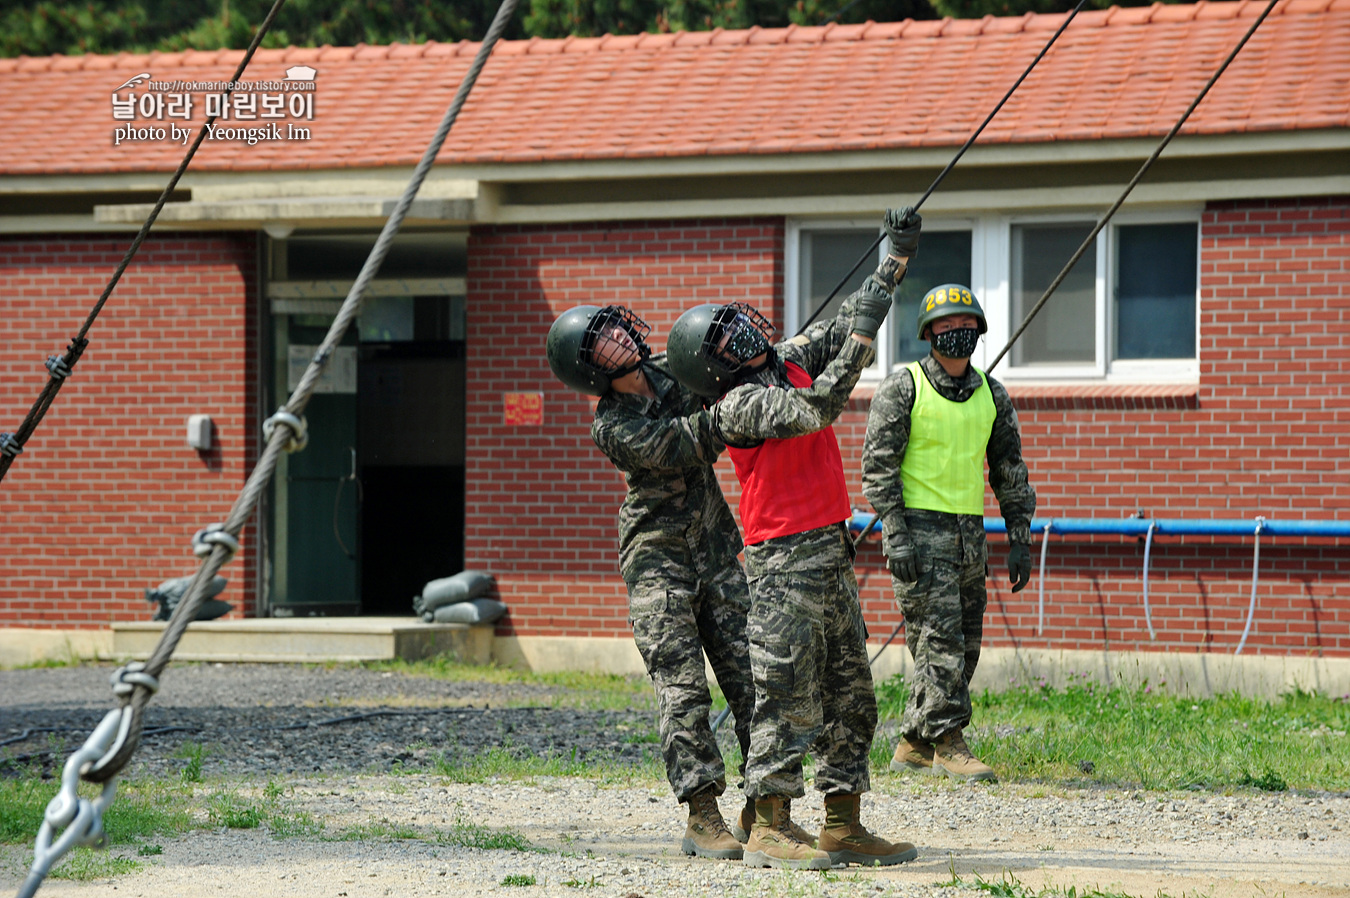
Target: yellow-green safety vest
[943, 468]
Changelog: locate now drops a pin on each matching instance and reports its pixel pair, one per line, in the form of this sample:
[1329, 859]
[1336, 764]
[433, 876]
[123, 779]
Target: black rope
[1064, 272]
[11, 444]
[950, 165]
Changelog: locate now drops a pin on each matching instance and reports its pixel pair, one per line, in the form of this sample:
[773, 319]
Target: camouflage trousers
[674, 624]
[808, 652]
[944, 624]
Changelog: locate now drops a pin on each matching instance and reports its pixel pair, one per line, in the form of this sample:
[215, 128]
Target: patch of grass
[1270, 781]
[195, 753]
[229, 810]
[84, 864]
[501, 763]
[575, 883]
[1009, 886]
[1146, 737]
[150, 850]
[518, 879]
[472, 835]
[563, 689]
[140, 811]
[381, 830]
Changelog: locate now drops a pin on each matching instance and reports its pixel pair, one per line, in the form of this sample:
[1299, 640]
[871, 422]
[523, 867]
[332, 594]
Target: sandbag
[474, 611]
[169, 593]
[461, 587]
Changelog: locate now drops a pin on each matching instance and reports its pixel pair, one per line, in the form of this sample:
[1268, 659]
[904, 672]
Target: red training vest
[793, 485]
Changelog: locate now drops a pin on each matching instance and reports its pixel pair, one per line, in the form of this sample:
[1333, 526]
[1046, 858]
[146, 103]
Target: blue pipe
[1148, 528]
[1162, 526]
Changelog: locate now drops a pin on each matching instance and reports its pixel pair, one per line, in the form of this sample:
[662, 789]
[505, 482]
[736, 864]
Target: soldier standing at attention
[813, 688]
[932, 425]
[678, 543]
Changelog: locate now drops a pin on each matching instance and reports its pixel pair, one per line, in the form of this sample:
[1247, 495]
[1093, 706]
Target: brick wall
[1267, 433]
[105, 498]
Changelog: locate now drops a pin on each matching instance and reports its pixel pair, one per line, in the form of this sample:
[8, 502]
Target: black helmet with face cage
[572, 346]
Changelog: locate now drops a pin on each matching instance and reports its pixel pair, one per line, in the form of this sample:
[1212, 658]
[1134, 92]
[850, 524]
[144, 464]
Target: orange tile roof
[1115, 73]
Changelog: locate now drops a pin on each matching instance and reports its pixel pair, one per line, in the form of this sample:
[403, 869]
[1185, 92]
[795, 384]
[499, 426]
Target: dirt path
[624, 841]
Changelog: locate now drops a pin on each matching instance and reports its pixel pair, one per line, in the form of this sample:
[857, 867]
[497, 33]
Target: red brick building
[1187, 370]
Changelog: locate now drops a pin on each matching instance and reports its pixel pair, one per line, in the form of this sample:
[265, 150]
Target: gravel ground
[282, 723]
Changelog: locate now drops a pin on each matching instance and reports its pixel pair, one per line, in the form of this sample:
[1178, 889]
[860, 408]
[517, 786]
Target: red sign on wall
[523, 408]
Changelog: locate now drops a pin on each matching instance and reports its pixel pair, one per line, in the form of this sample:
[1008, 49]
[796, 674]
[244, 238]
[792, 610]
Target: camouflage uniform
[944, 608]
[813, 685]
[687, 593]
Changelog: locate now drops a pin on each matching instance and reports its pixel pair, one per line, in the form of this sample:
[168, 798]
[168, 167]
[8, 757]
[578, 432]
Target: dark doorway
[411, 459]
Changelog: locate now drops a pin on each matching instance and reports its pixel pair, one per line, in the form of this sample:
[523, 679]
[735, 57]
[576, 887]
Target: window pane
[944, 258]
[826, 256]
[1155, 291]
[1064, 331]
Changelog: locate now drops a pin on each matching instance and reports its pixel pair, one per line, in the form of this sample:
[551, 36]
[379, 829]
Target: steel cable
[295, 406]
[61, 368]
[950, 165]
[1082, 248]
[114, 742]
[1138, 176]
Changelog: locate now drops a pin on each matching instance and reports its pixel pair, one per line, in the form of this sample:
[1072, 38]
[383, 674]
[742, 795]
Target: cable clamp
[82, 818]
[127, 678]
[299, 429]
[205, 540]
[9, 445]
[57, 366]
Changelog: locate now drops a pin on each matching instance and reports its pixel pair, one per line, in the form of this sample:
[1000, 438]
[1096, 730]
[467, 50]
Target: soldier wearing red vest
[932, 426]
[774, 407]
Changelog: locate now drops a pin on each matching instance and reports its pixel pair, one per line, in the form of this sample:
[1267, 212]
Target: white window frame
[991, 281]
[792, 267]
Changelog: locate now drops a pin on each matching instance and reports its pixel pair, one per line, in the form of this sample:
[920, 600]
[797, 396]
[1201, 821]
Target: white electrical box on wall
[199, 432]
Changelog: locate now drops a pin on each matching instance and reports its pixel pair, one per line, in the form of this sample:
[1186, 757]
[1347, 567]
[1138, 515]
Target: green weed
[195, 753]
[1009, 886]
[84, 864]
[518, 879]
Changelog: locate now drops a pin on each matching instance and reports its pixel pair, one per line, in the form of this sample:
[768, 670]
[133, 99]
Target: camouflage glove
[902, 226]
[873, 306]
[1019, 566]
[903, 559]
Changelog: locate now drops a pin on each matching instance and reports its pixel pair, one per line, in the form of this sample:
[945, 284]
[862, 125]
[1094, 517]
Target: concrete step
[309, 639]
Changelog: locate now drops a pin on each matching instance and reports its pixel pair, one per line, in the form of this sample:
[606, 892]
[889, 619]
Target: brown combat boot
[847, 841]
[952, 757]
[707, 834]
[912, 755]
[772, 842]
[741, 829]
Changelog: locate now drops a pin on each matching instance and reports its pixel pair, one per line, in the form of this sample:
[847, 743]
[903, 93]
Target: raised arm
[634, 442]
[753, 412]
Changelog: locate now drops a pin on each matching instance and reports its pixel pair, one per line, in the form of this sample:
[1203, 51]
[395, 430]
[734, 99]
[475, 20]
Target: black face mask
[958, 343]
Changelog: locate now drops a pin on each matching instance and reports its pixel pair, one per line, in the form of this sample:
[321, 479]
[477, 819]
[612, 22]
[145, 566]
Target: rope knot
[206, 539]
[299, 438]
[127, 678]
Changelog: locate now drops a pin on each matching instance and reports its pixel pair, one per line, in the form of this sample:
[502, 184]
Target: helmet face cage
[738, 334]
[603, 355]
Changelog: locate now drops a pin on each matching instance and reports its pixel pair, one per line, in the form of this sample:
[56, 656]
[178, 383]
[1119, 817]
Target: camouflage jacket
[768, 407]
[888, 437]
[674, 521]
